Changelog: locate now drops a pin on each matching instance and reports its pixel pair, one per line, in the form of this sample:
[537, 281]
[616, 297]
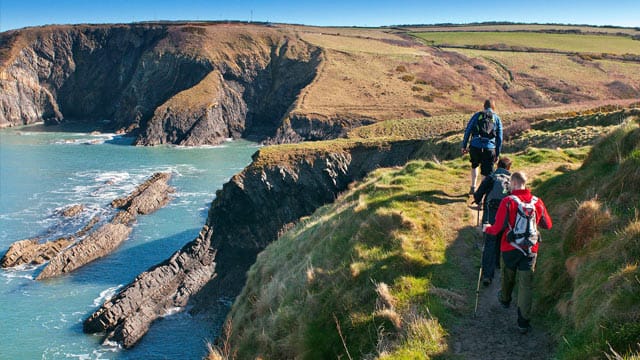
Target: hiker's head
[518, 180]
[504, 163]
[488, 104]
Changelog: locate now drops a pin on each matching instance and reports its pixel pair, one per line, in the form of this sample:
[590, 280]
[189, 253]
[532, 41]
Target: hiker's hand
[464, 151]
[484, 227]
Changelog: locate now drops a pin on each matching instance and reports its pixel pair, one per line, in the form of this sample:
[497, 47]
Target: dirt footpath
[491, 333]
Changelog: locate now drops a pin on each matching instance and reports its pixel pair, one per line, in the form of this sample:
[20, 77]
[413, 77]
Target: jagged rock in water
[30, 251]
[72, 210]
[97, 244]
[146, 198]
[127, 316]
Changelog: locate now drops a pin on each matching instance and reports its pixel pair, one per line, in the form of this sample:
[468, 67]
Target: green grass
[323, 278]
[589, 277]
[559, 42]
[375, 274]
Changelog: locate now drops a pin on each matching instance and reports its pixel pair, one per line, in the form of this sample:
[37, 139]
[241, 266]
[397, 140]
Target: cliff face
[163, 83]
[247, 214]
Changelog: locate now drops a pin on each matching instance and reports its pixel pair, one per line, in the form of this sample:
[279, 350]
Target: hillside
[200, 83]
[389, 269]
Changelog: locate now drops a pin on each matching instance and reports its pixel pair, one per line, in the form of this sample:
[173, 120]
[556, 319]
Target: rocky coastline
[161, 83]
[250, 211]
[92, 241]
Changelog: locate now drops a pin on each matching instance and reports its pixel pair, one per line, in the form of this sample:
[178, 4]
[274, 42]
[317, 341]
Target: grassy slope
[561, 42]
[590, 282]
[375, 274]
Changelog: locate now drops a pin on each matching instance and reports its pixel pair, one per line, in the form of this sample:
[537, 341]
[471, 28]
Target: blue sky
[21, 13]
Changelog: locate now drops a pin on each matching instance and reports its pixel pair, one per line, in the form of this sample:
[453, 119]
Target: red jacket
[509, 207]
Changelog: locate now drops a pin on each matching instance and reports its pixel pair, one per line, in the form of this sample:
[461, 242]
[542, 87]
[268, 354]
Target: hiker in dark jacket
[518, 260]
[485, 130]
[490, 193]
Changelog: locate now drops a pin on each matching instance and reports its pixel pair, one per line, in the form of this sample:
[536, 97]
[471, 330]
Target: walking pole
[475, 311]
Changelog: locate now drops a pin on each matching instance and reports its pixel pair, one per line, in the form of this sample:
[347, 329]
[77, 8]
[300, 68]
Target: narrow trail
[492, 332]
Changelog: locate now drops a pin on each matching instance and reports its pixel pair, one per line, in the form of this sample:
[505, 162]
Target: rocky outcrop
[146, 198]
[163, 83]
[35, 252]
[31, 251]
[247, 214]
[98, 244]
[127, 316]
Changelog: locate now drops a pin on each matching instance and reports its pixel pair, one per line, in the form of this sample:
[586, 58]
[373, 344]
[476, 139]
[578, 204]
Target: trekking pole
[475, 311]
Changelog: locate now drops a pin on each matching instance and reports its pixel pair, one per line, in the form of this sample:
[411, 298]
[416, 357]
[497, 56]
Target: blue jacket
[483, 143]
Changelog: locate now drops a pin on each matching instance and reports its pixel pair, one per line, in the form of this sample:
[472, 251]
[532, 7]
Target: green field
[559, 42]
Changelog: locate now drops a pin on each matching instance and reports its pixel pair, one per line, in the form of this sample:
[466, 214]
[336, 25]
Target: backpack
[501, 188]
[485, 125]
[524, 233]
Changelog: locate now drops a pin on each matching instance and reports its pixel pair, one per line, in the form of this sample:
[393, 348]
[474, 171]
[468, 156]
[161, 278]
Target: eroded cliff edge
[163, 83]
[278, 188]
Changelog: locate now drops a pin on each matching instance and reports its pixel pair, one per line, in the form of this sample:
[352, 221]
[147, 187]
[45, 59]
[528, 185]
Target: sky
[22, 13]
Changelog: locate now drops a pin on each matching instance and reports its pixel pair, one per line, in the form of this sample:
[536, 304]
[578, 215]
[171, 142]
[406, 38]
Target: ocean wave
[106, 295]
[18, 272]
[173, 311]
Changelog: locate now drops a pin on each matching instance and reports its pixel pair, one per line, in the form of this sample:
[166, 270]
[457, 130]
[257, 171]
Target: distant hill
[199, 82]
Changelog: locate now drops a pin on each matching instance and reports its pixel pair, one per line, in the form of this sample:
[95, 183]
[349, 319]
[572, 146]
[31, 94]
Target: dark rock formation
[146, 198]
[97, 244]
[247, 214]
[163, 83]
[35, 252]
[128, 315]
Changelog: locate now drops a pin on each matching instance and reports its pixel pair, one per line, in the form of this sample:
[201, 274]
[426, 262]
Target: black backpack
[485, 125]
[501, 188]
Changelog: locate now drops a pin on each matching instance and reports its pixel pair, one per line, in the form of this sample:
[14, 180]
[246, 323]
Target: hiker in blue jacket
[485, 130]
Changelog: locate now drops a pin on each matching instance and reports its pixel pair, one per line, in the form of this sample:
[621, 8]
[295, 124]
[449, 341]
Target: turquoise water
[41, 172]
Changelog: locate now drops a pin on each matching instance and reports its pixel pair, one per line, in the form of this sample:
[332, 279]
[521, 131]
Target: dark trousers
[490, 255]
[517, 265]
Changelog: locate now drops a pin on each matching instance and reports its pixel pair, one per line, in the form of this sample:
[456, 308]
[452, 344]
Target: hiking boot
[524, 329]
[486, 281]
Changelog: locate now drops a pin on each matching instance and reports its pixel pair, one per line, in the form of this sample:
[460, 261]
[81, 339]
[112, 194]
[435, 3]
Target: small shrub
[427, 98]
[591, 219]
[417, 88]
[421, 82]
[407, 78]
[401, 68]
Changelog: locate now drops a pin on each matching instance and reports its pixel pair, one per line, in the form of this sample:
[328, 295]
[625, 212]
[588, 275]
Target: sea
[44, 172]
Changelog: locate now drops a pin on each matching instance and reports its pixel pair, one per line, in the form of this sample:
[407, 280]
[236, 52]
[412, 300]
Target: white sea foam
[172, 311]
[105, 295]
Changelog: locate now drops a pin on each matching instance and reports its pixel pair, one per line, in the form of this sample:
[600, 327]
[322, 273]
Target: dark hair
[488, 104]
[504, 163]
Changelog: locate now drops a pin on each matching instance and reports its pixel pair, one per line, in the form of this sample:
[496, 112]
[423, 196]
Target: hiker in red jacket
[519, 215]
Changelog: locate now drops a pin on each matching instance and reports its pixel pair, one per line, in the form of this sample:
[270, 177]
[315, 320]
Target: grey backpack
[501, 188]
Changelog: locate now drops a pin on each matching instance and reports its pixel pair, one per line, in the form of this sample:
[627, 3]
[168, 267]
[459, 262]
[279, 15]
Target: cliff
[162, 83]
[282, 185]
[200, 83]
